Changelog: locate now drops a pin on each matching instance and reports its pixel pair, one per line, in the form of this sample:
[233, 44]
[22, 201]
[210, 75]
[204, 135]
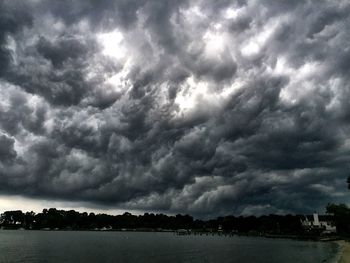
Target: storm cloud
[200, 107]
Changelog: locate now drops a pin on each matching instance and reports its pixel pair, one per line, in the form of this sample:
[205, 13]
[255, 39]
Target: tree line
[54, 219]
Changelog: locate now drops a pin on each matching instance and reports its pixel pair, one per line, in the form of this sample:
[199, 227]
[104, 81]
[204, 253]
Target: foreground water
[70, 246]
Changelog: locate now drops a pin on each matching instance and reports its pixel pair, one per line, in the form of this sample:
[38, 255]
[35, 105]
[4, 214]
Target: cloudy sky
[190, 106]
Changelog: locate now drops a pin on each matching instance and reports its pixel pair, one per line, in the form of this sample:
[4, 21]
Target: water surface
[132, 247]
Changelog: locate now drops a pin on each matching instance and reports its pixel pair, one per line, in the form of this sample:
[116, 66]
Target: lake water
[71, 246]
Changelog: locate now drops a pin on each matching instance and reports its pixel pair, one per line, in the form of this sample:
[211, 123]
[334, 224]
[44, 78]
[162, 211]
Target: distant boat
[182, 232]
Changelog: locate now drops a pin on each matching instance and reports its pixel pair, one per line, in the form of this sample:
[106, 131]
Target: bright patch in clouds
[254, 45]
[232, 13]
[215, 42]
[302, 82]
[197, 94]
[112, 43]
[190, 94]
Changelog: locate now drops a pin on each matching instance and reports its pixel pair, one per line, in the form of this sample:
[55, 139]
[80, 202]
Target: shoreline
[344, 252]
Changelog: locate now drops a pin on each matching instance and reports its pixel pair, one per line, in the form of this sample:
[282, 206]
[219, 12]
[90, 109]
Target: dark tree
[12, 219]
[341, 215]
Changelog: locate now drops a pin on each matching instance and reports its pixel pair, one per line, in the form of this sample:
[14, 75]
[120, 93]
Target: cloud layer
[196, 107]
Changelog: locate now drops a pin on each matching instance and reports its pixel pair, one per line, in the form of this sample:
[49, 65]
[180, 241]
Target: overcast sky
[201, 107]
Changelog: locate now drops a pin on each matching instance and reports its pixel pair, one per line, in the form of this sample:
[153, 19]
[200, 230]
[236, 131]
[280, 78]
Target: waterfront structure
[321, 226]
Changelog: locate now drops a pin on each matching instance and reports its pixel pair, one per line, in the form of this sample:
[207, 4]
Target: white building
[326, 227]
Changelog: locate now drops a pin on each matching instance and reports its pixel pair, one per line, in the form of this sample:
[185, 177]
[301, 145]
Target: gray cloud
[176, 106]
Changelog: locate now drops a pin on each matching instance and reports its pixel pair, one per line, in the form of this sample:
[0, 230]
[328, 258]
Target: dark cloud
[7, 151]
[62, 50]
[101, 15]
[176, 106]
[14, 16]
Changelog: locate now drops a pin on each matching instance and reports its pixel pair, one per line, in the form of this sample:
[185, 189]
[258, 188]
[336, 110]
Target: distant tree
[13, 219]
[269, 224]
[29, 219]
[341, 215]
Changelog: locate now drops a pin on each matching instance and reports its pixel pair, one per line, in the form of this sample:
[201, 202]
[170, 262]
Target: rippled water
[70, 246]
